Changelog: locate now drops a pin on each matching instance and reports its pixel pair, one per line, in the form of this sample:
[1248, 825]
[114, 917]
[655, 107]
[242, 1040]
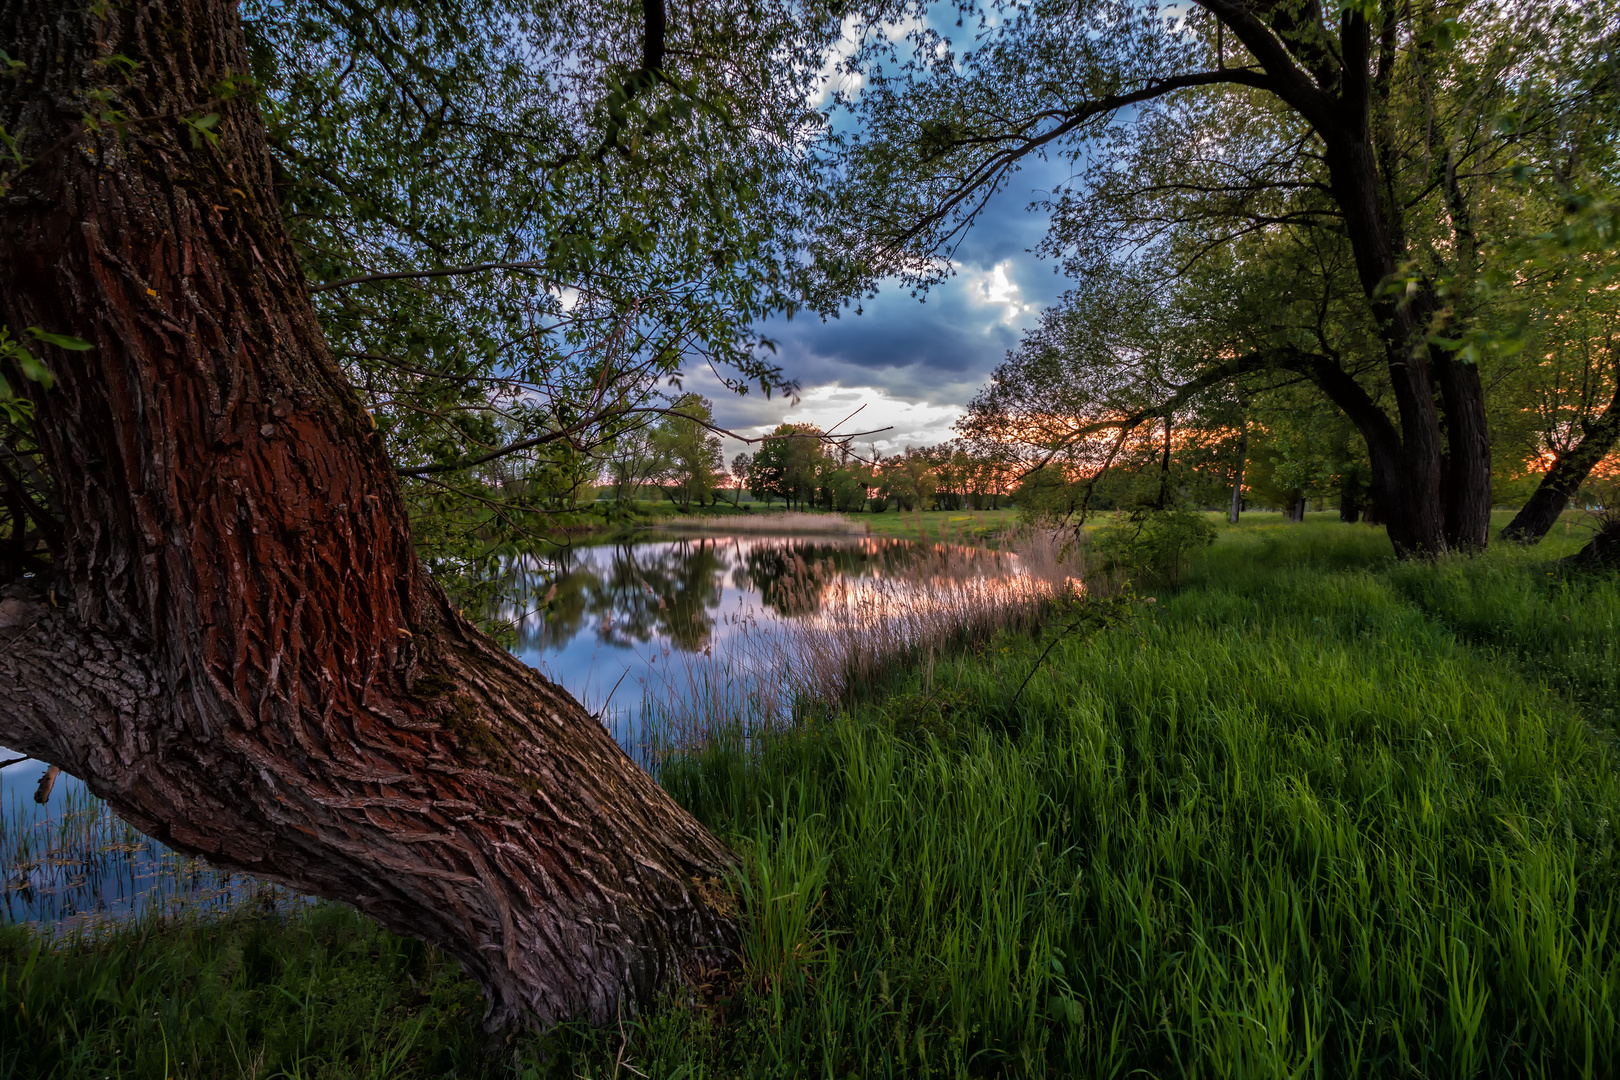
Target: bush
[1146, 545]
[879, 505]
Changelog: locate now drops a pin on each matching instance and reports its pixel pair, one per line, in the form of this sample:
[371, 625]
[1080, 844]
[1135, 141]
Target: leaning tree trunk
[1566, 476]
[239, 650]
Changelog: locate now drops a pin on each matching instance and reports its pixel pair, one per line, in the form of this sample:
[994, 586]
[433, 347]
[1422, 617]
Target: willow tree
[1373, 122]
[226, 628]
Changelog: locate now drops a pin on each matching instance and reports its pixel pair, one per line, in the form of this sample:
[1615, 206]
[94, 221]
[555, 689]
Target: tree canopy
[1262, 193]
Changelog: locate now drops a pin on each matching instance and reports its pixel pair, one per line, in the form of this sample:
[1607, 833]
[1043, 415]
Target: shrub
[1146, 545]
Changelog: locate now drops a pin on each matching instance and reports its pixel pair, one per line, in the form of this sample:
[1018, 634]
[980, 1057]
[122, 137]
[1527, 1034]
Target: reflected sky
[620, 610]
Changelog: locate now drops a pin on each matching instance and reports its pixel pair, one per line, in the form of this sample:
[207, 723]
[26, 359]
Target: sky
[913, 363]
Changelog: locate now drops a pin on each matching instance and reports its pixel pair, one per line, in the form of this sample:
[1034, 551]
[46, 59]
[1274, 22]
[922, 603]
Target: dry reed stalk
[775, 523]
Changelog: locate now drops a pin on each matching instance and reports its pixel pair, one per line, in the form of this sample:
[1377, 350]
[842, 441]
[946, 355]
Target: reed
[772, 522]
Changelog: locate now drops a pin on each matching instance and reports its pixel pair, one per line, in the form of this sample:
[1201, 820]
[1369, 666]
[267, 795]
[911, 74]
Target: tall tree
[692, 453]
[1358, 118]
[234, 641]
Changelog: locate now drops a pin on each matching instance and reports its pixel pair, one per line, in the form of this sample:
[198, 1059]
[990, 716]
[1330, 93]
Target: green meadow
[1313, 813]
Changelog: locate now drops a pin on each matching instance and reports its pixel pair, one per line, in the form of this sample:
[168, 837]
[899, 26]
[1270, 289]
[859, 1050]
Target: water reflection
[621, 617]
[674, 592]
[70, 864]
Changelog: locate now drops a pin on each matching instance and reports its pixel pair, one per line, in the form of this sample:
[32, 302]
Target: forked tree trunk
[240, 651]
[1428, 509]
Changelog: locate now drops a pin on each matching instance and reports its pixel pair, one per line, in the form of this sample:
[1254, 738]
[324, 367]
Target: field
[1313, 813]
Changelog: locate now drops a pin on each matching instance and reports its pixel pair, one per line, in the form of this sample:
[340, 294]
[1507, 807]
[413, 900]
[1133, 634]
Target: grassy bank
[1313, 813]
[950, 525]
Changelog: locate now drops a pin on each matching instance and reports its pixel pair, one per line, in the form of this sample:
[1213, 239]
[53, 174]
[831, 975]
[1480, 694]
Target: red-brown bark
[238, 649]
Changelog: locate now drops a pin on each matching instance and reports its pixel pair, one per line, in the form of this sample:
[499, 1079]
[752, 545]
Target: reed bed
[773, 522]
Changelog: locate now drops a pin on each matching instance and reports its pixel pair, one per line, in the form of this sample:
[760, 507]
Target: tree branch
[987, 173]
[1286, 79]
[448, 271]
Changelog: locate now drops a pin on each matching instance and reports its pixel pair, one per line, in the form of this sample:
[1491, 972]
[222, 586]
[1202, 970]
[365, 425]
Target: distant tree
[767, 473]
[740, 466]
[908, 480]
[633, 458]
[689, 452]
[787, 464]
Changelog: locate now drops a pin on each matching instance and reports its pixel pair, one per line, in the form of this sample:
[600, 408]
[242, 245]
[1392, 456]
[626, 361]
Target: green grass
[322, 992]
[1315, 813]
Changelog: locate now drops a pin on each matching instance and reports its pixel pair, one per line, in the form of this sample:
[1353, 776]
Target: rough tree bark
[237, 647]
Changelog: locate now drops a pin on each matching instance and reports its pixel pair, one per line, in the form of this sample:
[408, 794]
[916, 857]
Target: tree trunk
[1349, 497]
[1412, 496]
[1410, 493]
[1468, 453]
[1237, 482]
[1164, 468]
[1565, 478]
[240, 651]
[1602, 552]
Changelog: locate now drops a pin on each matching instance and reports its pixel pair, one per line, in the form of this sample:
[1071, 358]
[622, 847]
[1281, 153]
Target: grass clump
[319, 992]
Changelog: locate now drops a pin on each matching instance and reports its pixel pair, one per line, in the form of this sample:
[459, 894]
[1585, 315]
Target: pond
[677, 626]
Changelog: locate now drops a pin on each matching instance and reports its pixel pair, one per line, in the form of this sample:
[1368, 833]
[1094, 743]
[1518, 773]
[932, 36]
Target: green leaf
[202, 127]
[61, 341]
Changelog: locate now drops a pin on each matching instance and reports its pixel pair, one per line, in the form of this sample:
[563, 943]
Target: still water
[623, 610]
[621, 619]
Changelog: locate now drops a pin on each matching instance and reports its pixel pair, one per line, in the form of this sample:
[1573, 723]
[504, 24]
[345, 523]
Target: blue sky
[914, 364]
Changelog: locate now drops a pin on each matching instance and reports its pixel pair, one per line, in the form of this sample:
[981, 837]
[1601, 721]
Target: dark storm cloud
[939, 351]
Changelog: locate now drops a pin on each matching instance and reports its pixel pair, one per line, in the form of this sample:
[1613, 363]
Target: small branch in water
[15, 761]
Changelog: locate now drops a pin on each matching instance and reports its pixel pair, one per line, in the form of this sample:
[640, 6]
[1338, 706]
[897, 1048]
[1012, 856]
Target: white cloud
[832, 78]
[909, 423]
[996, 287]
